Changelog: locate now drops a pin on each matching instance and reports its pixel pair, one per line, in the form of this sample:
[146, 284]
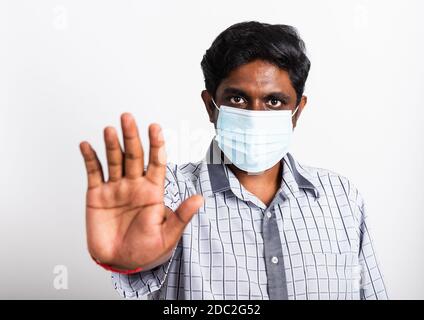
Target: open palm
[128, 225]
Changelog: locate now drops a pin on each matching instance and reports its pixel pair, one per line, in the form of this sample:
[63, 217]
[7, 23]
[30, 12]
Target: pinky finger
[92, 164]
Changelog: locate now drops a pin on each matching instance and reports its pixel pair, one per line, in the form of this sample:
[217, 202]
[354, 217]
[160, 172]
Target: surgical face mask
[253, 141]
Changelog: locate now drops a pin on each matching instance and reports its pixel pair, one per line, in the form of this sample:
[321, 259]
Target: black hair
[247, 41]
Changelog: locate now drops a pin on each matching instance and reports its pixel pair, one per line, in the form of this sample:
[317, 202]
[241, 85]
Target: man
[246, 222]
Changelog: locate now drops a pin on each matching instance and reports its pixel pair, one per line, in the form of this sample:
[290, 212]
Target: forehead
[258, 77]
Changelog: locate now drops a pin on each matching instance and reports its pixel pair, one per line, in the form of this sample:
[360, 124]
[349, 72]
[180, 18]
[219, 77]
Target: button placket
[277, 285]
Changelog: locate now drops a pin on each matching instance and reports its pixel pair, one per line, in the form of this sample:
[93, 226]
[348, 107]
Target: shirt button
[269, 215]
[274, 260]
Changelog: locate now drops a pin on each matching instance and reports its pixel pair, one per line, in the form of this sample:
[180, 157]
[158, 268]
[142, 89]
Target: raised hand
[128, 225]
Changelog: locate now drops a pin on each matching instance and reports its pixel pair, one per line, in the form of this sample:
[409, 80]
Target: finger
[92, 164]
[134, 162]
[177, 221]
[114, 154]
[156, 169]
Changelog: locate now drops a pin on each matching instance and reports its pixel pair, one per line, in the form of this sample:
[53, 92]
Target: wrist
[116, 269]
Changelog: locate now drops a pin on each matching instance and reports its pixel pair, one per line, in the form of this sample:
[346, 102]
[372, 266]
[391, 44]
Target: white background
[70, 68]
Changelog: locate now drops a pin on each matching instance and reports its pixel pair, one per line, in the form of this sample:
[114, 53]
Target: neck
[263, 185]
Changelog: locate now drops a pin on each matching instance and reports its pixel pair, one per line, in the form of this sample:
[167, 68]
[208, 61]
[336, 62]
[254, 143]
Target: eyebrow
[278, 94]
[232, 90]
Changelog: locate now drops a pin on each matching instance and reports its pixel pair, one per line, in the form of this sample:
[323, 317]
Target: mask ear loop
[297, 108]
[216, 116]
[213, 101]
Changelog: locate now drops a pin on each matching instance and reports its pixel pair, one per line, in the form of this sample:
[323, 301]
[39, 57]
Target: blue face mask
[253, 141]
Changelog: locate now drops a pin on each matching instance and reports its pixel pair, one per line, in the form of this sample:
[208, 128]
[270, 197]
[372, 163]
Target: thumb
[177, 221]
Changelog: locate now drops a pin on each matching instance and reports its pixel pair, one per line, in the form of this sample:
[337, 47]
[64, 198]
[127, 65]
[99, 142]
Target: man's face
[258, 85]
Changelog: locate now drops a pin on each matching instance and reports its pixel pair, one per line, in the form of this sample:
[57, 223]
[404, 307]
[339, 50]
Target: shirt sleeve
[135, 286]
[372, 285]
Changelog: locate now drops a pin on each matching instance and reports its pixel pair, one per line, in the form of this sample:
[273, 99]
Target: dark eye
[274, 103]
[236, 100]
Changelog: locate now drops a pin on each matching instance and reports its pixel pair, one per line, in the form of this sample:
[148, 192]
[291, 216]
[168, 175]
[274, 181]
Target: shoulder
[332, 184]
[183, 173]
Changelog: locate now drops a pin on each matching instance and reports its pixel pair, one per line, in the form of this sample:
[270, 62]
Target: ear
[302, 105]
[210, 108]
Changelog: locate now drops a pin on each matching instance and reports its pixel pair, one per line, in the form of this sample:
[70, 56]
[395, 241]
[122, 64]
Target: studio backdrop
[70, 68]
